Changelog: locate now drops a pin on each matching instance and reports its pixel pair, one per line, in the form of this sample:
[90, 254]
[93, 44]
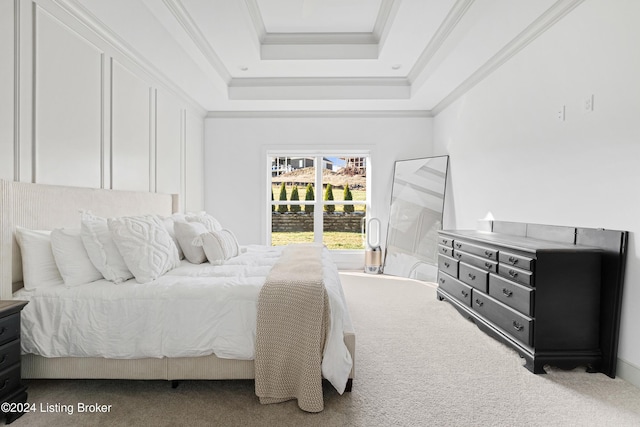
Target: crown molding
[300, 88]
[185, 20]
[256, 19]
[319, 114]
[545, 21]
[458, 10]
[97, 27]
[385, 18]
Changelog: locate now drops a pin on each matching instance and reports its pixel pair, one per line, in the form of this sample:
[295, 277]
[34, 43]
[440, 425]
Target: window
[319, 198]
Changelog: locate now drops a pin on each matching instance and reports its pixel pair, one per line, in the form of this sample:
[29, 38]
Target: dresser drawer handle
[446, 264]
[464, 293]
[458, 245]
[513, 260]
[4, 359]
[513, 274]
[518, 327]
[442, 280]
[472, 276]
[479, 303]
[458, 255]
[488, 265]
[507, 292]
[3, 330]
[4, 384]
[488, 254]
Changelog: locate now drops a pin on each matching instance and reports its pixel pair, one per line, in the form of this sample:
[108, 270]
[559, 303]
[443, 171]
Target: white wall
[512, 156]
[235, 158]
[89, 114]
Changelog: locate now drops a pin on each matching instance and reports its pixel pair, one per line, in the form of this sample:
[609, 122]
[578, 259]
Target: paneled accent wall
[87, 112]
[6, 89]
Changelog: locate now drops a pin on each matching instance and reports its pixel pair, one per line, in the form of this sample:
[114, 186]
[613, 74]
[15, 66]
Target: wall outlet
[561, 113]
[588, 103]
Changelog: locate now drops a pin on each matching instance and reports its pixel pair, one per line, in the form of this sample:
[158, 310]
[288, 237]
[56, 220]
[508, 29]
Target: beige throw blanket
[293, 317]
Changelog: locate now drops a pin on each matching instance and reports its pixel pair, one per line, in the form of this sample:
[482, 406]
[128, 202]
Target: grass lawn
[333, 239]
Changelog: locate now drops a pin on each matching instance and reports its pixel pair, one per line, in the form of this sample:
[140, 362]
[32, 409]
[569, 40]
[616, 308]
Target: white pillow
[102, 250]
[207, 220]
[186, 232]
[39, 268]
[146, 246]
[168, 225]
[72, 258]
[219, 246]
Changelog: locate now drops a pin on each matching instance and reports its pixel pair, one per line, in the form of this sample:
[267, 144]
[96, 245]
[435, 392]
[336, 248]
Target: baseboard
[628, 372]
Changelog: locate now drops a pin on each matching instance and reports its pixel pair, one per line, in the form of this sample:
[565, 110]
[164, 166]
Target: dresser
[544, 298]
[11, 388]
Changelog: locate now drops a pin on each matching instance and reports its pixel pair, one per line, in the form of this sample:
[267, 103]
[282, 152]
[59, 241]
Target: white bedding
[193, 310]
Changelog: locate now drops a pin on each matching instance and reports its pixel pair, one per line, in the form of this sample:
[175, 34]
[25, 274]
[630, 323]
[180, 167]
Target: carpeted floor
[419, 363]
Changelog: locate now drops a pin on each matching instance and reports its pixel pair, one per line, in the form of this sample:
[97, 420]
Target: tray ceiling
[297, 55]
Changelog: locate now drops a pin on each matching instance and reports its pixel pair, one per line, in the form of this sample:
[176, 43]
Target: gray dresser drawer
[516, 274]
[448, 265]
[445, 241]
[514, 295]
[513, 323]
[476, 261]
[514, 260]
[483, 251]
[445, 250]
[455, 288]
[473, 276]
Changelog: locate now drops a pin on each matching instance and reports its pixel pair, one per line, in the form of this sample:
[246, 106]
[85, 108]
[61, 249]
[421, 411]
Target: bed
[45, 207]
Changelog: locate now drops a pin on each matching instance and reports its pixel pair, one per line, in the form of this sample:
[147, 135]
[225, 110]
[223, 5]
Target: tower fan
[373, 252]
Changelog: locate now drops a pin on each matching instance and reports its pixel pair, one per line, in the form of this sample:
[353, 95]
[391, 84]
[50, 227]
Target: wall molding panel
[84, 108]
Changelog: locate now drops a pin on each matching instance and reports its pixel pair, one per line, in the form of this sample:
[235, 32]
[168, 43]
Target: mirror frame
[429, 265]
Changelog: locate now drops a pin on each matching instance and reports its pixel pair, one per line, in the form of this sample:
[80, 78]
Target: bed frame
[45, 207]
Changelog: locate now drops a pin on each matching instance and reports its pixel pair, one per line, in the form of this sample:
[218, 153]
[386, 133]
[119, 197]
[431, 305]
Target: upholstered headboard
[45, 207]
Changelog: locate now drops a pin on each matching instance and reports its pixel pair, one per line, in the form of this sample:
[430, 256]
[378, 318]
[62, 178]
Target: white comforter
[193, 310]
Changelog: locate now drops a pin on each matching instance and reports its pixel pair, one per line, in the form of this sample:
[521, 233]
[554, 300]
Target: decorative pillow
[38, 265]
[168, 225]
[207, 220]
[72, 258]
[102, 250]
[219, 246]
[186, 232]
[146, 246]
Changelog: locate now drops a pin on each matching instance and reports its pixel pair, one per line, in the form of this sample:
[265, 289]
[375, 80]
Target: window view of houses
[303, 199]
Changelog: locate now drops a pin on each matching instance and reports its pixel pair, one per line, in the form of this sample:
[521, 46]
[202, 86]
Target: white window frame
[318, 202]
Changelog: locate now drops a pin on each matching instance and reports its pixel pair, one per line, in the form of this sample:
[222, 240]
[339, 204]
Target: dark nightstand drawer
[473, 276]
[476, 261]
[448, 265]
[9, 328]
[514, 295]
[482, 251]
[455, 288]
[445, 250]
[516, 274]
[514, 260]
[515, 324]
[9, 354]
[10, 380]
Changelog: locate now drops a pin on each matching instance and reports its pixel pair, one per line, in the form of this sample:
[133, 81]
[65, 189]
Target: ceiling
[327, 55]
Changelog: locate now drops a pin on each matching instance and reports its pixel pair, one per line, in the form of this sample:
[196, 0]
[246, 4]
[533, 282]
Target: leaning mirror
[417, 203]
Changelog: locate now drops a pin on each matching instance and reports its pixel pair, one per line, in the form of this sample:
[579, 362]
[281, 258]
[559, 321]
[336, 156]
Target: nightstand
[11, 388]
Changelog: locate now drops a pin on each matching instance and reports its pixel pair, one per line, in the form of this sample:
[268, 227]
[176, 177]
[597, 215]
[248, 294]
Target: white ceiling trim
[319, 88]
[178, 10]
[454, 16]
[90, 21]
[535, 29]
[339, 45]
[319, 114]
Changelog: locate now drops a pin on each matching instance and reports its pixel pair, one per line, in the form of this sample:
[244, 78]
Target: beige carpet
[419, 363]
